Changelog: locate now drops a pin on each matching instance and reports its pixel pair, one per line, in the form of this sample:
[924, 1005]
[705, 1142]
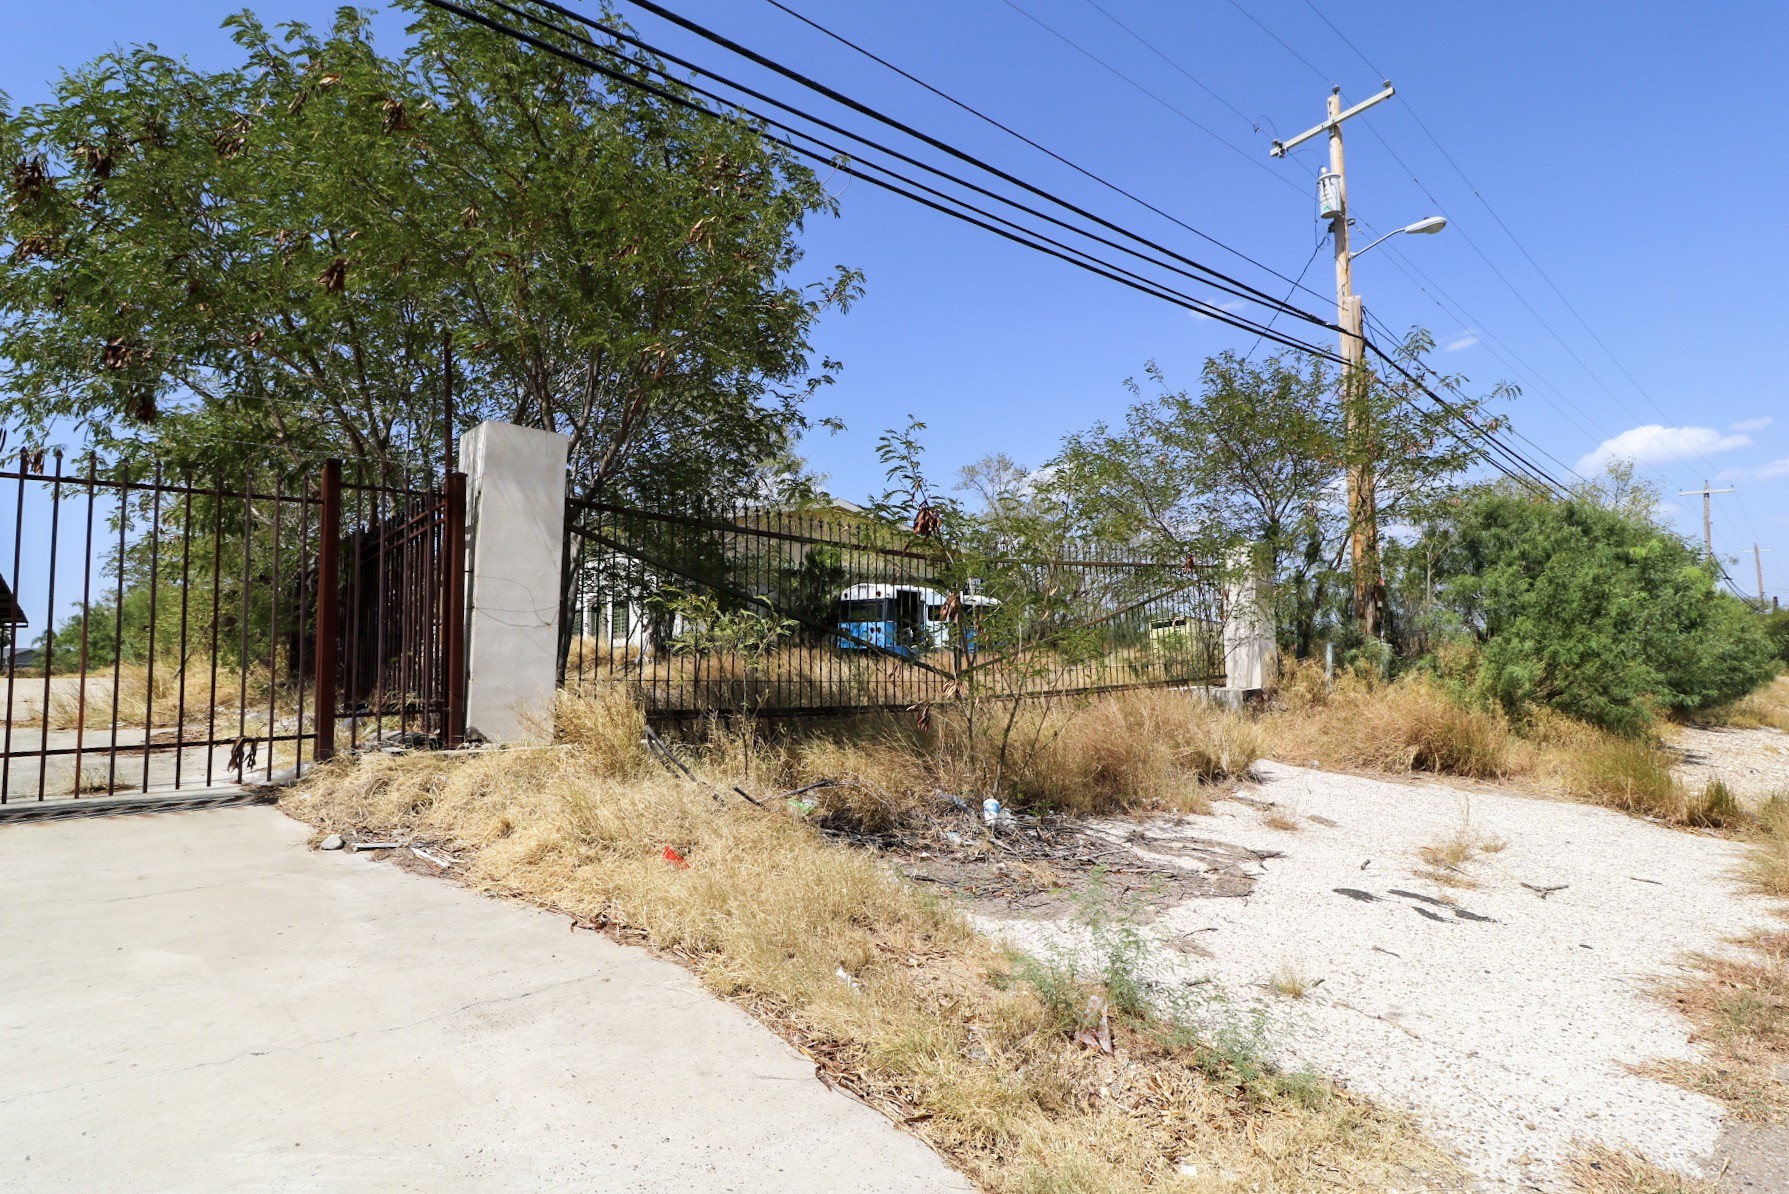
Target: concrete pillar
[515, 519]
[1251, 651]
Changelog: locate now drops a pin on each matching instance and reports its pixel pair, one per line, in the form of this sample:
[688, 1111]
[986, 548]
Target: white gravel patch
[1510, 1039]
[1754, 763]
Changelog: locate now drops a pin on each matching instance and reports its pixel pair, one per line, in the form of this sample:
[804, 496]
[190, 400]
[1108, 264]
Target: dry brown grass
[1123, 752]
[1150, 748]
[1767, 865]
[1414, 725]
[1446, 860]
[1739, 1004]
[1600, 1170]
[938, 1030]
[1410, 725]
[1768, 708]
[172, 695]
[1290, 981]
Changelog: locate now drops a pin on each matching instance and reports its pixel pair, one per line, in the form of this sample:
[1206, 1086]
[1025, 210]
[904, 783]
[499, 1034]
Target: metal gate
[722, 608]
[170, 632]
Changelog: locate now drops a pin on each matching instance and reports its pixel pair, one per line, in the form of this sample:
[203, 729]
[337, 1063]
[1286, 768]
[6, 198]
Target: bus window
[862, 611]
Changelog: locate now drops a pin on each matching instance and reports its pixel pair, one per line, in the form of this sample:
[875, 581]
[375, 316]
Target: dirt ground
[1504, 998]
[1754, 763]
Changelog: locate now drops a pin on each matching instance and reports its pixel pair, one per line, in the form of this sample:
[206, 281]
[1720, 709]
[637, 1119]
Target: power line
[1089, 54]
[1276, 37]
[1178, 69]
[1297, 284]
[983, 116]
[1083, 260]
[1055, 249]
[1513, 239]
[1244, 290]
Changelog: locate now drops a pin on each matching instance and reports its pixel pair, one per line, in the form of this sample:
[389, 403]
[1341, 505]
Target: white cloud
[1776, 468]
[1232, 305]
[1466, 341]
[1654, 444]
[1758, 424]
[1763, 472]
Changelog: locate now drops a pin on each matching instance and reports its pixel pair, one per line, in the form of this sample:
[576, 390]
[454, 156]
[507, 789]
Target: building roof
[10, 612]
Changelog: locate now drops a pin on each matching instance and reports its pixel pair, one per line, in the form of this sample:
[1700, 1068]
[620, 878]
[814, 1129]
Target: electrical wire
[1175, 109]
[1514, 240]
[1177, 68]
[978, 216]
[1297, 283]
[946, 207]
[1217, 278]
[1075, 166]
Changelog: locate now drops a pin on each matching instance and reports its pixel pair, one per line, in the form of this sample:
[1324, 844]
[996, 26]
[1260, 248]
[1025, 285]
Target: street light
[1428, 227]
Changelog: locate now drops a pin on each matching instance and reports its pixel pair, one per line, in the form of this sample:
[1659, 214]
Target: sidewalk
[196, 1001]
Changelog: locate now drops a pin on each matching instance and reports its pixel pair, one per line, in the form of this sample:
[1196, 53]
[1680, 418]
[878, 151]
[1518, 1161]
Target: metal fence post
[329, 534]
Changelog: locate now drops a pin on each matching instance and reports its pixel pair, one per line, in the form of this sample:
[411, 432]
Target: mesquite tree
[262, 262]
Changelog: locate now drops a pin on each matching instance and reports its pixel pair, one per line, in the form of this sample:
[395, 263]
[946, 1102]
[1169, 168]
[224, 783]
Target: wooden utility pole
[1363, 498]
[1707, 513]
[1758, 559]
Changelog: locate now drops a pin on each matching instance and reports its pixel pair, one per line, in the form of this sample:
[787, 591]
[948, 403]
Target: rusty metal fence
[173, 631]
[779, 611]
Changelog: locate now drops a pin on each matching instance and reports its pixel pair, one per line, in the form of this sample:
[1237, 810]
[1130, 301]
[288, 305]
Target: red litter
[675, 859]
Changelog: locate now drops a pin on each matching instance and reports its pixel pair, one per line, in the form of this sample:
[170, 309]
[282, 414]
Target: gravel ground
[1754, 763]
[1505, 1021]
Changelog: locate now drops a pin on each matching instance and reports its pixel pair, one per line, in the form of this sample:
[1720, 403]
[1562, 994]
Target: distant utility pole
[1363, 502]
[1707, 513]
[1758, 554]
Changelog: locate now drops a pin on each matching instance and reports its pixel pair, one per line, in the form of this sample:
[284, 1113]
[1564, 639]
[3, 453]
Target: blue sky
[1626, 148]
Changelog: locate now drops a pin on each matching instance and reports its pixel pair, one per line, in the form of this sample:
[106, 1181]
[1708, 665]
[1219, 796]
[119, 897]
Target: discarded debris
[675, 859]
[375, 846]
[438, 860]
[1638, 879]
[1096, 1030]
[1544, 892]
[845, 977]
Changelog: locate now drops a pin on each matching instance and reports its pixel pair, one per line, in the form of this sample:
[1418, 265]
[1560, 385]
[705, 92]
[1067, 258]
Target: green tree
[1592, 611]
[270, 255]
[1259, 455]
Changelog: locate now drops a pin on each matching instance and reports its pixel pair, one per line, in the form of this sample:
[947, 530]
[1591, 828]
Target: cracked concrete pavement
[196, 1001]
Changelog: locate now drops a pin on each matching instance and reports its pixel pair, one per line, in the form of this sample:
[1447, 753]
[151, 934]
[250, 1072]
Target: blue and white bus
[905, 620]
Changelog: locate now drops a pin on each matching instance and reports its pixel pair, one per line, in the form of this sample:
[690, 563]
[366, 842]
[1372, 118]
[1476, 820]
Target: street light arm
[1426, 227]
[1380, 241]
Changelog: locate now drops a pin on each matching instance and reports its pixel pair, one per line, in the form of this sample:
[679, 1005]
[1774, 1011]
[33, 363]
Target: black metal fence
[826, 610]
[175, 631]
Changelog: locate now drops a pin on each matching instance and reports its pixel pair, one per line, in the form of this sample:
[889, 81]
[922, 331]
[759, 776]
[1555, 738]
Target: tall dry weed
[1768, 708]
[1147, 748]
[1410, 725]
[1130, 750]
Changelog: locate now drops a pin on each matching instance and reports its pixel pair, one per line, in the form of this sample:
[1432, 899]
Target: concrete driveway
[196, 1001]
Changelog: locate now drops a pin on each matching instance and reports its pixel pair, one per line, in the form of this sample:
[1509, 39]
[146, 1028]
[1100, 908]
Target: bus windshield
[863, 611]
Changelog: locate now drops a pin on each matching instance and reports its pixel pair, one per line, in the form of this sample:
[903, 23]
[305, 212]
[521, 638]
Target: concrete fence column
[515, 520]
[1251, 650]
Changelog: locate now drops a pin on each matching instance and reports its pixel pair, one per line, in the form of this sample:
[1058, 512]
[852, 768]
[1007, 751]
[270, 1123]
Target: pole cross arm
[1279, 148]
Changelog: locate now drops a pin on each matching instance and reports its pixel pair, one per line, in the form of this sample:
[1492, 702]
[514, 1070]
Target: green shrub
[1776, 628]
[1594, 612]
